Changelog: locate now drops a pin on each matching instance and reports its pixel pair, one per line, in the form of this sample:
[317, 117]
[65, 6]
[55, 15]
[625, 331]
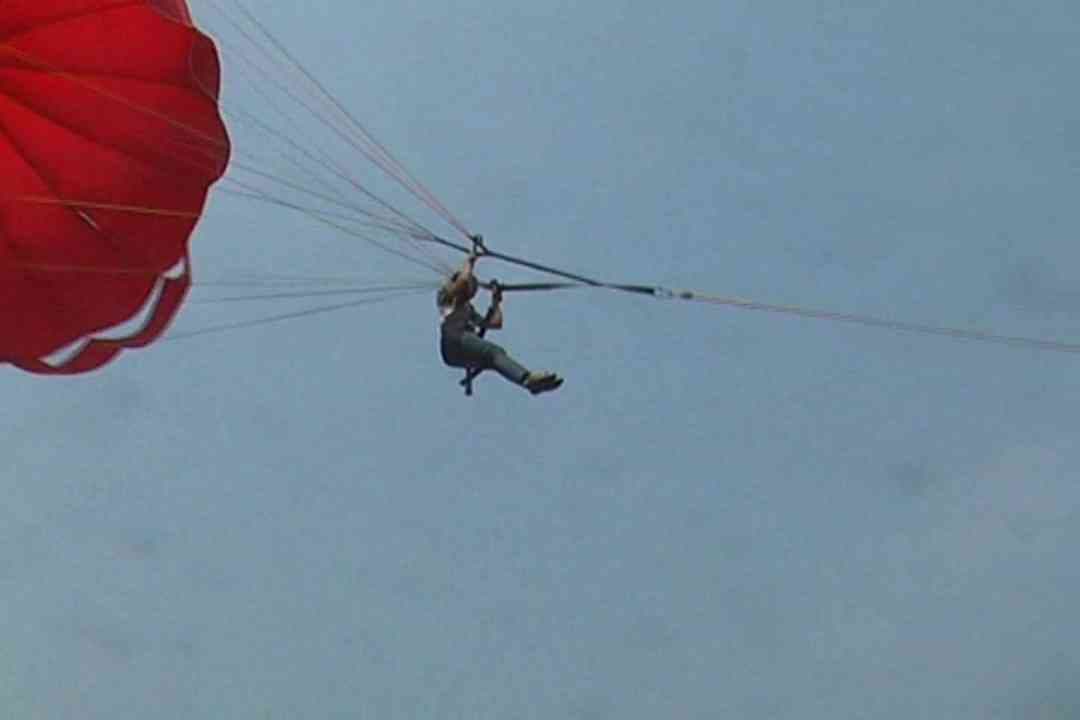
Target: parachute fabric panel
[110, 138]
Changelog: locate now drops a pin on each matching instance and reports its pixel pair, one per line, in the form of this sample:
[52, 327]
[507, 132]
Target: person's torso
[457, 317]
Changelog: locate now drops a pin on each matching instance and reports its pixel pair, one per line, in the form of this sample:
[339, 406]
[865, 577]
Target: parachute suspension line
[271, 288]
[320, 158]
[388, 290]
[322, 161]
[350, 129]
[283, 317]
[353, 232]
[883, 323]
[403, 226]
[411, 229]
[397, 224]
[299, 282]
[355, 133]
[85, 205]
[357, 220]
[251, 121]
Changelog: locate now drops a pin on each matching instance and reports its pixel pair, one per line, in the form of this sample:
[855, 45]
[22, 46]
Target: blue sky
[721, 514]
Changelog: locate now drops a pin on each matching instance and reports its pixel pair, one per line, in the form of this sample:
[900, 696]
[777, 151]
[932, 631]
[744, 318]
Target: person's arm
[494, 319]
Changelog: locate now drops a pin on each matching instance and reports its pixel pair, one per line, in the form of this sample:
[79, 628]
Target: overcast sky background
[721, 514]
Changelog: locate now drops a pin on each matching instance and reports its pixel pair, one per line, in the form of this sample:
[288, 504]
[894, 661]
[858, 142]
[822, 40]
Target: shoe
[539, 382]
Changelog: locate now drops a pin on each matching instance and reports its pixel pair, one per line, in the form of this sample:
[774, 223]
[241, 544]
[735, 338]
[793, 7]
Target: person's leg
[467, 350]
[508, 367]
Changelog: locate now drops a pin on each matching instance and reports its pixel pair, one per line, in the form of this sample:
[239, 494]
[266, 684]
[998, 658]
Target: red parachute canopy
[110, 137]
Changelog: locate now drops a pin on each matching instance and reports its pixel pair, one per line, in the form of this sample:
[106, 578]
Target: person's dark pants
[468, 350]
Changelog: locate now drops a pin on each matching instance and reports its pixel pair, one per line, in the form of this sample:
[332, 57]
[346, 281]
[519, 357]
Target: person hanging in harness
[461, 340]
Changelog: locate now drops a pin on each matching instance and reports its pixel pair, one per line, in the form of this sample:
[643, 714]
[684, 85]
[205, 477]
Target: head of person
[471, 289]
